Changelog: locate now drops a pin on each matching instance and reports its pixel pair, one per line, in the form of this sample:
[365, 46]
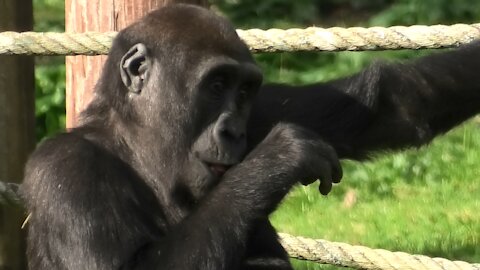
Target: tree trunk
[98, 15]
[17, 128]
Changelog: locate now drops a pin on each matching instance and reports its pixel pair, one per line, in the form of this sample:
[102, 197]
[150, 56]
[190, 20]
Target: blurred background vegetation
[420, 201]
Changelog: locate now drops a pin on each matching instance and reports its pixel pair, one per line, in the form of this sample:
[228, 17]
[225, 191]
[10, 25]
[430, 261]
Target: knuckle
[309, 157]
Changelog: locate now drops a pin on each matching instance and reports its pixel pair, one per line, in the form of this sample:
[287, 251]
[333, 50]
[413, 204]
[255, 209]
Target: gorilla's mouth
[218, 169]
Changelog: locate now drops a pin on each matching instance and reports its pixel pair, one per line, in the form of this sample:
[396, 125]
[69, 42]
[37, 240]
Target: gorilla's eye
[217, 86]
[243, 94]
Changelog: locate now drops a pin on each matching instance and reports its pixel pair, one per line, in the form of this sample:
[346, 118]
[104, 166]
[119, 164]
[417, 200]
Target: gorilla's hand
[300, 155]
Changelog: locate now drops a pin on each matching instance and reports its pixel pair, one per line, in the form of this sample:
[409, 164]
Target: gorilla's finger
[326, 179]
[308, 181]
[325, 187]
[337, 173]
[335, 166]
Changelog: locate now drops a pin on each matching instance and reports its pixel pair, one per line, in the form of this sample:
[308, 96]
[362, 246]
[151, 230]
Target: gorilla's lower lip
[218, 169]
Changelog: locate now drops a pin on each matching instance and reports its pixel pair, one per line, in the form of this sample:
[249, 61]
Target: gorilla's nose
[229, 130]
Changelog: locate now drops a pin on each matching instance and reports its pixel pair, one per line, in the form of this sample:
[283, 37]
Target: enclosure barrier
[276, 40]
[272, 40]
[359, 257]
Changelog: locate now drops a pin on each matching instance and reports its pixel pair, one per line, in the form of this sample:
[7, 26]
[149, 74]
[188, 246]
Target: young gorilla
[156, 175]
[143, 182]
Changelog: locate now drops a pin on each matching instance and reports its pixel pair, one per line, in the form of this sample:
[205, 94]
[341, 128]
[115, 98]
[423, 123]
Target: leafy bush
[50, 100]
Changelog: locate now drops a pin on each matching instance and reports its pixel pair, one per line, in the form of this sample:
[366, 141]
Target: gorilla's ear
[134, 66]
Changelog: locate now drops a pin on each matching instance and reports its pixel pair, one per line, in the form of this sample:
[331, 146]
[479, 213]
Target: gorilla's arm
[386, 106]
[217, 234]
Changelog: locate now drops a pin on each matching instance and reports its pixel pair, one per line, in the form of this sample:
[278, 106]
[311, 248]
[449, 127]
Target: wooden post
[17, 130]
[98, 15]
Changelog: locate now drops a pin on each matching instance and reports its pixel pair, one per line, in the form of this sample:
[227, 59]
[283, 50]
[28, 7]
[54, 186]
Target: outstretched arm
[386, 106]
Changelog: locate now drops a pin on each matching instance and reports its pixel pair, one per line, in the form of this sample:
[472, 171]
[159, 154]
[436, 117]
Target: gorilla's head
[183, 81]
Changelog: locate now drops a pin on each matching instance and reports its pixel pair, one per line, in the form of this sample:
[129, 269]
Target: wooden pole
[98, 15]
[17, 128]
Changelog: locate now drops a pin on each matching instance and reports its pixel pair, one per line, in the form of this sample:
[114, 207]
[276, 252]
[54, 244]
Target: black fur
[143, 182]
[386, 106]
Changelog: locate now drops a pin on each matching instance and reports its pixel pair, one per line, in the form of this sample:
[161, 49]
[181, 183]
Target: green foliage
[50, 100]
[407, 12]
[49, 15]
[263, 14]
[49, 72]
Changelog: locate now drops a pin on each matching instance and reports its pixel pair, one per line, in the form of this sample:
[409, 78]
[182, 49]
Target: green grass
[424, 201]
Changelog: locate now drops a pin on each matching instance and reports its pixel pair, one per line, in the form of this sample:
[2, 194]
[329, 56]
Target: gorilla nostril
[231, 135]
[226, 134]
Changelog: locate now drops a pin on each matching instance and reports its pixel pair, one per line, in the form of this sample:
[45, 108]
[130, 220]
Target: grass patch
[422, 201]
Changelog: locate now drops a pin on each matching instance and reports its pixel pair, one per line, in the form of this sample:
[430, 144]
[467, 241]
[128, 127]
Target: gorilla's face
[223, 97]
[200, 91]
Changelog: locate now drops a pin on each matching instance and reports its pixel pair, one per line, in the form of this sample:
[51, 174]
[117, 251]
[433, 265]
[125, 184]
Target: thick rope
[345, 255]
[31, 43]
[273, 40]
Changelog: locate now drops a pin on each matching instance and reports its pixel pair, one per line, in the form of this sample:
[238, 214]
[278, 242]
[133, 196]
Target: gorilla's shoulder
[64, 146]
[57, 159]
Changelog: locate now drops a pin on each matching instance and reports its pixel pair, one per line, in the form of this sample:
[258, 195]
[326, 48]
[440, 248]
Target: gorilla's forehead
[189, 30]
[205, 64]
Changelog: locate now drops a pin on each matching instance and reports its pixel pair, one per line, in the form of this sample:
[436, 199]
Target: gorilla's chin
[203, 177]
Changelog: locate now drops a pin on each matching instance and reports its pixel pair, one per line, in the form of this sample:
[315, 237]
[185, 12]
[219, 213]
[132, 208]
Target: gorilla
[158, 174]
[182, 154]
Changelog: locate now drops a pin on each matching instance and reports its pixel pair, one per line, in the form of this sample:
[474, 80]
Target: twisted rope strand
[359, 257]
[360, 39]
[272, 40]
[32, 43]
